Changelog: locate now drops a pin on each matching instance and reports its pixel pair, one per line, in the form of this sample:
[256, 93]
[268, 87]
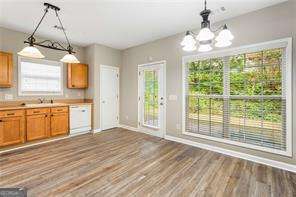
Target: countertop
[41, 105]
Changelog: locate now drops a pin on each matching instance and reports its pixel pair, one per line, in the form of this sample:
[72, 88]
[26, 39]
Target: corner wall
[99, 55]
[268, 24]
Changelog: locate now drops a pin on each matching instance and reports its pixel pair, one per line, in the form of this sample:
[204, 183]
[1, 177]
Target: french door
[152, 98]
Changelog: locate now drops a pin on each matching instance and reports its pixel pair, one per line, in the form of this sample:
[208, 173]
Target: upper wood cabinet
[12, 127]
[77, 76]
[6, 69]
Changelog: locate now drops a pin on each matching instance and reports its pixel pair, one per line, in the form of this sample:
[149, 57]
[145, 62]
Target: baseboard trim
[97, 130]
[130, 128]
[138, 130]
[269, 162]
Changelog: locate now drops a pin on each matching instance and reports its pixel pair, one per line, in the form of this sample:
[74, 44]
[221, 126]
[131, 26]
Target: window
[40, 77]
[241, 96]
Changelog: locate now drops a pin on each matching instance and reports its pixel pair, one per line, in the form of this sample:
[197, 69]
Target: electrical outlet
[178, 126]
[79, 93]
[126, 117]
[66, 95]
[8, 96]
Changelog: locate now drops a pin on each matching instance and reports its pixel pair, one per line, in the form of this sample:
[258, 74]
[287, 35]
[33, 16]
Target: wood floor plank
[125, 163]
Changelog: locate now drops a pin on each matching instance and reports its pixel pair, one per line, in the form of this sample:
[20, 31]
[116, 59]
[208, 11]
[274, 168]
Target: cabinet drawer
[59, 110]
[11, 113]
[37, 111]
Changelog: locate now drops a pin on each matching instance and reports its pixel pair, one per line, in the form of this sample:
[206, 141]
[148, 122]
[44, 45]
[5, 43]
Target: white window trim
[287, 43]
[20, 93]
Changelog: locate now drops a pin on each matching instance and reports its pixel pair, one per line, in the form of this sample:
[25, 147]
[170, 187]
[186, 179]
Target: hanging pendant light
[205, 37]
[69, 58]
[32, 52]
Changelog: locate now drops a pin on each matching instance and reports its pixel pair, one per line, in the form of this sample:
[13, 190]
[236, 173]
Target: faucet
[41, 100]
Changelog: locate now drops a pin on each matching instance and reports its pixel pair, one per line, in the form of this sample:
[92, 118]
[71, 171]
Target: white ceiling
[118, 23]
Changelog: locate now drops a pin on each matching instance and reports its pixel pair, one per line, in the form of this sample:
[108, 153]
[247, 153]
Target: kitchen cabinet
[59, 121]
[12, 127]
[38, 124]
[6, 70]
[78, 76]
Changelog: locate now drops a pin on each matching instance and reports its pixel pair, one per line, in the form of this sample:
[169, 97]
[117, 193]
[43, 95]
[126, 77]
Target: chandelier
[32, 52]
[206, 37]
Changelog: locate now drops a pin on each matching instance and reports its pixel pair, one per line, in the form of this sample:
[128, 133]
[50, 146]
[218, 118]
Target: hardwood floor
[125, 163]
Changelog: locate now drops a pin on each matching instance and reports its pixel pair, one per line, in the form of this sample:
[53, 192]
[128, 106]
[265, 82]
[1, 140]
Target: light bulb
[205, 34]
[204, 48]
[224, 43]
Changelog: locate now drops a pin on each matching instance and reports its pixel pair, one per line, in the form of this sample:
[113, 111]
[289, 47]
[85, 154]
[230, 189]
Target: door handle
[103, 101]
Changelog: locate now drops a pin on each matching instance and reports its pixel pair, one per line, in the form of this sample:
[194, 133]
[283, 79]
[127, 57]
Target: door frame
[100, 97]
[144, 130]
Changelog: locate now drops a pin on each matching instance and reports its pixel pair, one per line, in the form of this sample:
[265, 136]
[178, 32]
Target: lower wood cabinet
[38, 127]
[18, 126]
[59, 124]
[12, 128]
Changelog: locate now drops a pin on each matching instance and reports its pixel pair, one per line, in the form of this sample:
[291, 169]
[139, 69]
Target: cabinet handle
[59, 110]
[36, 112]
[1, 120]
[11, 114]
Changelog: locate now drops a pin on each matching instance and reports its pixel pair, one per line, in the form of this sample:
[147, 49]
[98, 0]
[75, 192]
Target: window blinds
[239, 98]
[40, 77]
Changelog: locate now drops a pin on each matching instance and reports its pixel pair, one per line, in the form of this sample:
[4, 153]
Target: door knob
[103, 102]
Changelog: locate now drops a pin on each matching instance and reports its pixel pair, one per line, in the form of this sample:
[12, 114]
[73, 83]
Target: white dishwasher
[80, 118]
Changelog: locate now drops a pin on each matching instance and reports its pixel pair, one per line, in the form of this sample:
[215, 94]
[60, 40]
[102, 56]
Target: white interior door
[152, 98]
[109, 97]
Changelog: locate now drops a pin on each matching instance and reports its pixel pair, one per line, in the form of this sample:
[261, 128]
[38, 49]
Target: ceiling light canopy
[32, 52]
[206, 36]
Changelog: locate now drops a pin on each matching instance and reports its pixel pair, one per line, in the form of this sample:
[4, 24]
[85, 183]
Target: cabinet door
[11, 130]
[77, 76]
[59, 124]
[38, 127]
[5, 69]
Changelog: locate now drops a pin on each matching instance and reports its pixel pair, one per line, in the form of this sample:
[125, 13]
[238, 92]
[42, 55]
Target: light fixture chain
[70, 47]
[45, 12]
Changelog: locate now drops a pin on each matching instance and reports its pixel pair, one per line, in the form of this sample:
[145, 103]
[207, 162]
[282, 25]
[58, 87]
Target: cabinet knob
[1, 120]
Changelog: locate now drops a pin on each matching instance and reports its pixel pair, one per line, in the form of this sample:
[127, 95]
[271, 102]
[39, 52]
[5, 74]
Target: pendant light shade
[69, 58]
[188, 40]
[205, 48]
[205, 34]
[189, 48]
[224, 35]
[31, 52]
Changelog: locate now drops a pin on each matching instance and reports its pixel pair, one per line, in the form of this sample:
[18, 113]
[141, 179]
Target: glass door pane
[151, 94]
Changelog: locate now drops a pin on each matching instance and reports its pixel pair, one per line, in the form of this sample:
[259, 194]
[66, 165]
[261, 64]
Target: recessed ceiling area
[119, 24]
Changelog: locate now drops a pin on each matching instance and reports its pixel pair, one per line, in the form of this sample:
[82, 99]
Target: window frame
[38, 93]
[281, 43]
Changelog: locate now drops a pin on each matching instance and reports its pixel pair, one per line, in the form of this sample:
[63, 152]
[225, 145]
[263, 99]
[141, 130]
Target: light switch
[8, 96]
[173, 97]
